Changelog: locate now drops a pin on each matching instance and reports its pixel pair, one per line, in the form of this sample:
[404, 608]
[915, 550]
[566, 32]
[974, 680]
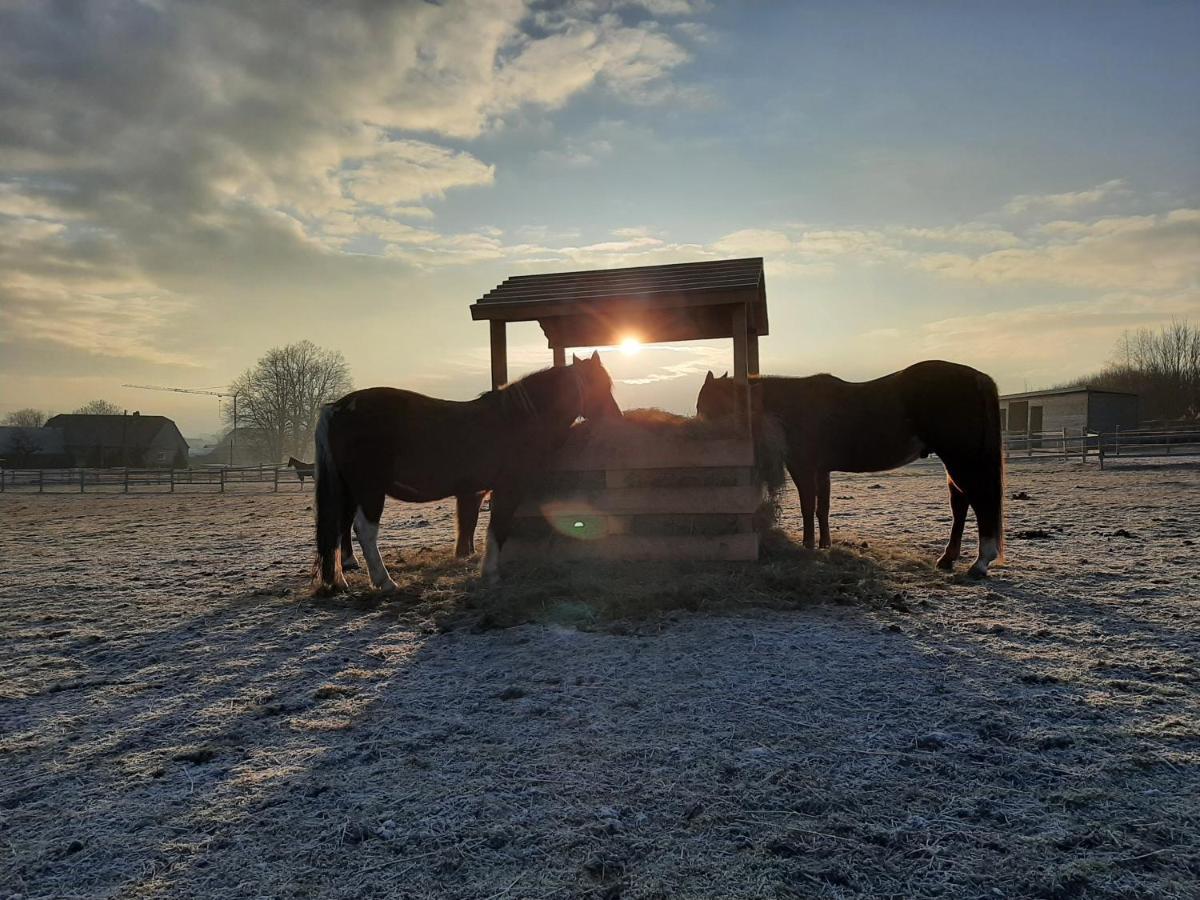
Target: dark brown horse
[386, 442]
[303, 469]
[831, 425]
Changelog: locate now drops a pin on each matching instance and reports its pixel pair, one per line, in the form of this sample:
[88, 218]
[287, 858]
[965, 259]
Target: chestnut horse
[385, 442]
[831, 425]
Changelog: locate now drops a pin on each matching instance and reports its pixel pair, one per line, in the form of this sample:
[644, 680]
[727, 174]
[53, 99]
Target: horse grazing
[841, 426]
[303, 469]
[385, 442]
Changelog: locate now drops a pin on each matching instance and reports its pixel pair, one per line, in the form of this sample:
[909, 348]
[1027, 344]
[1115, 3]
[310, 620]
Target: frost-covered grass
[179, 717]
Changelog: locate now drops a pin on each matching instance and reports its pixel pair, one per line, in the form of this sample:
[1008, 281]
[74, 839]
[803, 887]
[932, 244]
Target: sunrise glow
[630, 346]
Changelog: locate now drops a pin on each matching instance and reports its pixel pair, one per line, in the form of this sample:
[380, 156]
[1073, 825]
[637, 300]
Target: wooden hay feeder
[644, 488]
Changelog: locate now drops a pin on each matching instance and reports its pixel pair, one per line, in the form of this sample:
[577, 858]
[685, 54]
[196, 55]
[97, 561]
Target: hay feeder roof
[680, 302]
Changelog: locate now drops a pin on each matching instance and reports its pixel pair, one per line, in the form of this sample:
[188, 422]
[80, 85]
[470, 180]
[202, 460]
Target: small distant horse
[930, 407]
[385, 442]
[303, 469]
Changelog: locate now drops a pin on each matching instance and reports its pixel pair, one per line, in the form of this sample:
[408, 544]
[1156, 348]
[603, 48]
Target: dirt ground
[178, 718]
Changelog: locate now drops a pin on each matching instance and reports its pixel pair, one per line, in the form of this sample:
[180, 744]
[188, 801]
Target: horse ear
[596, 357]
[708, 379]
[575, 360]
[726, 375]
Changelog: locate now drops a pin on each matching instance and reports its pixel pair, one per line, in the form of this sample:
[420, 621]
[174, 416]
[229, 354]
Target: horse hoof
[945, 563]
[350, 563]
[977, 572]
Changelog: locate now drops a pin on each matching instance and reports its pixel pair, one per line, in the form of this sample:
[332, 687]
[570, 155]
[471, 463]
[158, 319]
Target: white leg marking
[491, 560]
[988, 551]
[368, 534]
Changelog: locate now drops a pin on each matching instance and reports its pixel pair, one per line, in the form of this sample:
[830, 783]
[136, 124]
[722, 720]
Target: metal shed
[626, 494]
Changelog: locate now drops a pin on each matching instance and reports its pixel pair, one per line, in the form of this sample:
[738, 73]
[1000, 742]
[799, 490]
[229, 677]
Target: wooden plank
[666, 270]
[528, 310]
[650, 451]
[636, 548]
[656, 500]
[499, 355]
[506, 293]
[652, 525]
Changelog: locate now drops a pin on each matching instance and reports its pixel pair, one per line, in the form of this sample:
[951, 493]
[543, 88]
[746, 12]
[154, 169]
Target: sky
[186, 185]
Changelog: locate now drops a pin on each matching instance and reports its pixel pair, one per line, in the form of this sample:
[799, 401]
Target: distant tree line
[1162, 367]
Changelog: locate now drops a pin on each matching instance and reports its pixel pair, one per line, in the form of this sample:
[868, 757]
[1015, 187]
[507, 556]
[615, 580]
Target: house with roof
[129, 440]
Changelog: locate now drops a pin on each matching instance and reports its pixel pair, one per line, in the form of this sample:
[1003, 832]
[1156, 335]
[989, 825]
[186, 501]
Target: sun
[630, 346]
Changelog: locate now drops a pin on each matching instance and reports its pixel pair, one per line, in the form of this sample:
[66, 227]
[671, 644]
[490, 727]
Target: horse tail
[993, 456]
[328, 502]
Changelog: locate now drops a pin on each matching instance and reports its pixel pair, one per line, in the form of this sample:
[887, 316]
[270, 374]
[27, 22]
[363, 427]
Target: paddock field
[178, 718]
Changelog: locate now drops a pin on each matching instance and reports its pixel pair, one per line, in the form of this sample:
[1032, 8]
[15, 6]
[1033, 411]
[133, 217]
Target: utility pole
[223, 394]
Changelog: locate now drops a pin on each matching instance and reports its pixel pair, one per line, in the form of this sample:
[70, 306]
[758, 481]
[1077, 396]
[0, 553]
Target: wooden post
[277, 479]
[172, 479]
[41, 485]
[752, 355]
[127, 479]
[560, 357]
[499, 355]
[741, 347]
[222, 481]
[3, 476]
[82, 477]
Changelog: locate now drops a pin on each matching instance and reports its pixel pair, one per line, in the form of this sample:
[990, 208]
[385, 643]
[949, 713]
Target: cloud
[1156, 252]
[154, 144]
[1071, 200]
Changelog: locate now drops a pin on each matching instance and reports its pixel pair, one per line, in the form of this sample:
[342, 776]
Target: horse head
[716, 398]
[595, 388]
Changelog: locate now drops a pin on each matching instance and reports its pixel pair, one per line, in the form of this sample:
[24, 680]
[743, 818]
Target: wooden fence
[216, 479]
[1126, 443]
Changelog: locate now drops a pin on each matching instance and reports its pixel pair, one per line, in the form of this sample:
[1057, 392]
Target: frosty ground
[178, 717]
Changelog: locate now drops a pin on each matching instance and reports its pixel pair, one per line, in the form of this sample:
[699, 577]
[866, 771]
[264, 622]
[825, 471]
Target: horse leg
[366, 527]
[958, 507]
[823, 508]
[348, 560]
[504, 506]
[984, 490]
[806, 486]
[468, 516]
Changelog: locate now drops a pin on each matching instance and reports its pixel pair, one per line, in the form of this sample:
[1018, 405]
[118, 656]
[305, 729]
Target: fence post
[40, 482]
[222, 481]
[127, 479]
[172, 479]
[276, 470]
[1117, 441]
[82, 476]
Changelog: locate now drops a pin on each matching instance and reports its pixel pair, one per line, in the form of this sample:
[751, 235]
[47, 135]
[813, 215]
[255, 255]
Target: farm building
[1077, 410]
[130, 440]
[641, 489]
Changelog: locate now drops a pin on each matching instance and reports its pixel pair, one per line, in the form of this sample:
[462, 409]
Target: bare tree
[1162, 367]
[26, 418]
[21, 447]
[281, 396]
[99, 408]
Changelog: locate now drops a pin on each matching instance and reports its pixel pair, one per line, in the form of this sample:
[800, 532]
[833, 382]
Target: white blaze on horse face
[368, 535]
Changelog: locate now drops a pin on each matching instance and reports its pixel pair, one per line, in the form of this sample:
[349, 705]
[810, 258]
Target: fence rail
[126, 480]
[1128, 443]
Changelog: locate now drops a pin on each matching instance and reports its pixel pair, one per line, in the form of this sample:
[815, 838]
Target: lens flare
[630, 346]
